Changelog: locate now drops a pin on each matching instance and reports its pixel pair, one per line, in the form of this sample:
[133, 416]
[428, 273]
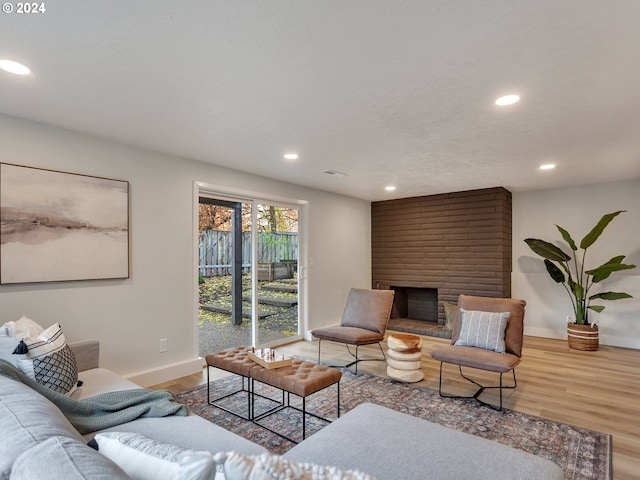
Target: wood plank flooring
[597, 390]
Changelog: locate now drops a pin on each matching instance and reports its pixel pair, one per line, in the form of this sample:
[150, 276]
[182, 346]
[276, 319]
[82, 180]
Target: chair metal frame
[355, 356]
[481, 388]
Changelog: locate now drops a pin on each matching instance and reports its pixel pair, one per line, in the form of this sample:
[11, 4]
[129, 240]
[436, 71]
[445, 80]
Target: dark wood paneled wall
[456, 242]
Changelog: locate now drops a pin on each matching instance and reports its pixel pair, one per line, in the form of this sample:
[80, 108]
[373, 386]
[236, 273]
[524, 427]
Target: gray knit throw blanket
[104, 410]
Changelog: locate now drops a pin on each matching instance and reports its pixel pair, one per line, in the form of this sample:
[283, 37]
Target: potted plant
[569, 270]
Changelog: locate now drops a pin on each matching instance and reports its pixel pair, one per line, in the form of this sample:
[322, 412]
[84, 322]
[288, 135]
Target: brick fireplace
[445, 244]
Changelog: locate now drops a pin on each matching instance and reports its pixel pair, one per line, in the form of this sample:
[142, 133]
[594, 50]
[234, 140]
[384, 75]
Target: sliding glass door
[277, 255]
[249, 287]
[224, 276]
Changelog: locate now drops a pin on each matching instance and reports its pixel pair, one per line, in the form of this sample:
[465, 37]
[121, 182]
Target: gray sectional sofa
[39, 442]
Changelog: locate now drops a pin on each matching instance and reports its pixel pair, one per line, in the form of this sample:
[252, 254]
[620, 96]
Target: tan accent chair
[364, 322]
[481, 358]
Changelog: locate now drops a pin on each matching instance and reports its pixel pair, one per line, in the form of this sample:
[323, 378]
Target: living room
[158, 300]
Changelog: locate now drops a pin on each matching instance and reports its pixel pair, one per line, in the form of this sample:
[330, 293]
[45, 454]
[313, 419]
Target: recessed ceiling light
[291, 156]
[14, 67]
[548, 166]
[507, 100]
[390, 188]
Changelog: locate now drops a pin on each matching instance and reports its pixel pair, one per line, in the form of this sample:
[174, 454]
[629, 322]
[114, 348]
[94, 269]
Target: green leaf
[567, 238]
[578, 290]
[615, 260]
[603, 271]
[610, 296]
[596, 308]
[547, 250]
[554, 271]
[595, 233]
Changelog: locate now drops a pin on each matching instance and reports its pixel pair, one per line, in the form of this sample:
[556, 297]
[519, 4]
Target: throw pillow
[50, 361]
[24, 327]
[63, 457]
[144, 458]
[11, 333]
[237, 466]
[451, 311]
[7, 346]
[482, 329]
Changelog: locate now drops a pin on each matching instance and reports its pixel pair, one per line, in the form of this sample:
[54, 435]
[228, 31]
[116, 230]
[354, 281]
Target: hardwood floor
[597, 390]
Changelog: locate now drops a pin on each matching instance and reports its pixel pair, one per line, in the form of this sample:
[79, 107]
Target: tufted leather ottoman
[301, 378]
[235, 360]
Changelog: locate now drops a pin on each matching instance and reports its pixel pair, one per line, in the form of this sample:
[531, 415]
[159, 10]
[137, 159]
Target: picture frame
[59, 226]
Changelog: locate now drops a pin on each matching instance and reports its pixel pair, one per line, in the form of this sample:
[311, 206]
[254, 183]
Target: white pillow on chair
[482, 329]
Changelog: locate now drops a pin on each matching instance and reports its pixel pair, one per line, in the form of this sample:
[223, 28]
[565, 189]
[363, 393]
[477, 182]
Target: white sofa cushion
[391, 444]
[100, 380]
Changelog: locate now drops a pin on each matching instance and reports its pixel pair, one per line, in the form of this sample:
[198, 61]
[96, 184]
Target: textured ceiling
[386, 91]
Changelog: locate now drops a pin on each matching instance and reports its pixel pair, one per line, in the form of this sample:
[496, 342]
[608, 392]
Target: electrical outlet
[163, 345]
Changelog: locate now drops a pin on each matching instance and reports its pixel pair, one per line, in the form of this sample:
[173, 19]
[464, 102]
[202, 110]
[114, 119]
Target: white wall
[130, 316]
[578, 209]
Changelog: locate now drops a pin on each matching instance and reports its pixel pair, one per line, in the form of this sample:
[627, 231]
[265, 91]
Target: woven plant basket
[583, 337]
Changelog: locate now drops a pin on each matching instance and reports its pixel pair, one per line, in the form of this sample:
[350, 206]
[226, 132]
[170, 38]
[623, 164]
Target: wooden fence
[216, 250]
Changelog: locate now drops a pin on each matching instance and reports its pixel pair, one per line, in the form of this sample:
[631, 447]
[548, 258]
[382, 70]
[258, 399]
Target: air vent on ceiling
[335, 173]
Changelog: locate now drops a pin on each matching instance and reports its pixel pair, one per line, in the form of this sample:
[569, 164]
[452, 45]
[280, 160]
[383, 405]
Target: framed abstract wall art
[57, 226]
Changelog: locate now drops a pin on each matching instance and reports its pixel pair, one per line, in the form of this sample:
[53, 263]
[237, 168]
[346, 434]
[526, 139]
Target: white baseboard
[544, 333]
[166, 373]
[611, 340]
[616, 341]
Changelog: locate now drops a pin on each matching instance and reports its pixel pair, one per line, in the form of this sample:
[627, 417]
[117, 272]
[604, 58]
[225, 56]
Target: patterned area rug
[582, 453]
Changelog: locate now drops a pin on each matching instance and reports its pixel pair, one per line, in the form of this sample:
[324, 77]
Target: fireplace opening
[415, 310]
[416, 303]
